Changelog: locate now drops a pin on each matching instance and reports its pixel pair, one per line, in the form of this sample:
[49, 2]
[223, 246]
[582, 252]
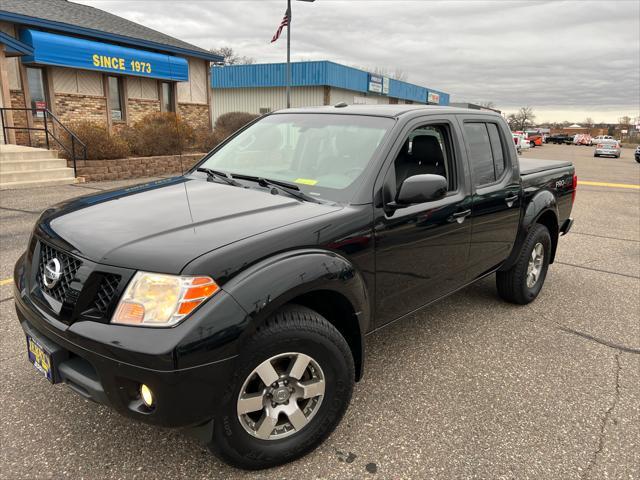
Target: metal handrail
[49, 118]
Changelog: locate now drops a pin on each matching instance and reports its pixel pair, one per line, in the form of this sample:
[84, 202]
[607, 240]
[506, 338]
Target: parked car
[637, 154]
[600, 138]
[235, 300]
[582, 139]
[559, 138]
[519, 139]
[608, 148]
[535, 137]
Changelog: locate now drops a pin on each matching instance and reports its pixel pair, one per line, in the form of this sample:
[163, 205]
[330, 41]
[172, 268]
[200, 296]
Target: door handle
[511, 199]
[459, 216]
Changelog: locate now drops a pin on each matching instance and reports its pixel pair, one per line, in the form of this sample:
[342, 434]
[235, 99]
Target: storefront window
[35, 78]
[167, 97]
[115, 99]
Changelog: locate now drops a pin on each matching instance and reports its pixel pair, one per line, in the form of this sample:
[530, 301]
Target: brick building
[82, 63]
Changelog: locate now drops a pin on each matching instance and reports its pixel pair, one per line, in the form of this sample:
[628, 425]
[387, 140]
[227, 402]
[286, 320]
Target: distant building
[473, 106]
[82, 63]
[260, 88]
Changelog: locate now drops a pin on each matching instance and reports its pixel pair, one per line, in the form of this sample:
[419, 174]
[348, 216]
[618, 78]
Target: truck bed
[529, 166]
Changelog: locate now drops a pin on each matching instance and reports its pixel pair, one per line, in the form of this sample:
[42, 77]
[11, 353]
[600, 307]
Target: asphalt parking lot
[470, 388]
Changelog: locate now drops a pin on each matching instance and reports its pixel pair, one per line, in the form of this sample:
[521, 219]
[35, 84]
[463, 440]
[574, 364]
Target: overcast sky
[566, 59]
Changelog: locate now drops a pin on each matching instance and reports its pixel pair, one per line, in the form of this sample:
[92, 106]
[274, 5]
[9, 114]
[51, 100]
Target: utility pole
[289, 54]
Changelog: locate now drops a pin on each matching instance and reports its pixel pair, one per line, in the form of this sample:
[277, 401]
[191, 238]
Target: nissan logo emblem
[52, 273]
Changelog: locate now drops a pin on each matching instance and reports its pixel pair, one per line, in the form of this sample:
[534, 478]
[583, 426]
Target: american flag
[283, 23]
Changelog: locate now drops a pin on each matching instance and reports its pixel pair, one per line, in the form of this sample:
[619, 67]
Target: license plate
[40, 358]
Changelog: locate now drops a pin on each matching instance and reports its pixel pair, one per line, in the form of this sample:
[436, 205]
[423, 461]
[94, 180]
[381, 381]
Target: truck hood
[162, 226]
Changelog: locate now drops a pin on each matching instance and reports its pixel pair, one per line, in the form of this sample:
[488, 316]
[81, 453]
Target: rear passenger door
[495, 208]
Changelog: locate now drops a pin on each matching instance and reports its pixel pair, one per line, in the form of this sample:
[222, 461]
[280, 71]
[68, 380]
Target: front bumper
[184, 397]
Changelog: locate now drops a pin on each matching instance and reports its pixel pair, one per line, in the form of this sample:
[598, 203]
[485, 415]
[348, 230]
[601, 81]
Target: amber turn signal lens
[130, 313]
[203, 291]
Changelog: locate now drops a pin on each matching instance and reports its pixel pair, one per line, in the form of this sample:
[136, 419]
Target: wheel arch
[542, 209]
[317, 279]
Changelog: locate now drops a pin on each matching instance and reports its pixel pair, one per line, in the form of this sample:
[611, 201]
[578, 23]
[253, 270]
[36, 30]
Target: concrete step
[26, 165]
[36, 175]
[25, 153]
[36, 183]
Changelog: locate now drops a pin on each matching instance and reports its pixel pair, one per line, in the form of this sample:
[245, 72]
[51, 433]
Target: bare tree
[624, 121]
[588, 122]
[231, 57]
[396, 74]
[512, 121]
[521, 119]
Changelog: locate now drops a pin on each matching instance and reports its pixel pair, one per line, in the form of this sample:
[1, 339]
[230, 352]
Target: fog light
[147, 397]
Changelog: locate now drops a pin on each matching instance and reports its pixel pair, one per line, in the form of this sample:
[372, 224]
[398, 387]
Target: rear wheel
[522, 283]
[292, 386]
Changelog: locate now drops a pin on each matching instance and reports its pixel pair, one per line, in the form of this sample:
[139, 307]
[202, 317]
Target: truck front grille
[106, 292]
[69, 267]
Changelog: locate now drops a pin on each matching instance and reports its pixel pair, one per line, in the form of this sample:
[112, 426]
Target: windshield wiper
[213, 174]
[291, 188]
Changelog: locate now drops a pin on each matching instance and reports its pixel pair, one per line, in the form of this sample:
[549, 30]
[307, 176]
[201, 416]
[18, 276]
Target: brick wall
[137, 108]
[74, 107]
[195, 115]
[136, 167]
[19, 118]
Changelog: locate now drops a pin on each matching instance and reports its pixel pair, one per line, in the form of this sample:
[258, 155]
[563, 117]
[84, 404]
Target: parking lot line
[6, 281]
[607, 184]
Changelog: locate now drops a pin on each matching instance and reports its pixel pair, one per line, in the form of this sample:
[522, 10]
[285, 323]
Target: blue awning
[65, 51]
[13, 46]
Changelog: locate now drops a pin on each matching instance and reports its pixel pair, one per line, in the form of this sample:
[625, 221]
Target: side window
[481, 156]
[426, 150]
[487, 152]
[496, 148]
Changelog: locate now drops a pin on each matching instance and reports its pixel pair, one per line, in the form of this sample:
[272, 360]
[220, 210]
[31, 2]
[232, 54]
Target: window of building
[427, 150]
[487, 154]
[35, 79]
[166, 96]
[116, 105]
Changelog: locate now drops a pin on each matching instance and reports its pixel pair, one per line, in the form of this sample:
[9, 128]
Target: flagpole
[289, 54]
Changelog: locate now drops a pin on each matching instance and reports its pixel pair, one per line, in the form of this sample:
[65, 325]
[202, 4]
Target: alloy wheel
[536, 261]
[281, 396]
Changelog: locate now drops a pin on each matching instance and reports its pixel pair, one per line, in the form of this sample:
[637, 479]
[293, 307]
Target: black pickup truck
[560, 139]
[234, 300]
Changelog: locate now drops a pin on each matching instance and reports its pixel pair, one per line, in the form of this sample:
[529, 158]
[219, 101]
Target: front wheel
[522, 283]
[291, 387]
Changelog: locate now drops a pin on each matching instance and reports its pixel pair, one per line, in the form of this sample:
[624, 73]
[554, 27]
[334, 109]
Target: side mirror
[420, 189]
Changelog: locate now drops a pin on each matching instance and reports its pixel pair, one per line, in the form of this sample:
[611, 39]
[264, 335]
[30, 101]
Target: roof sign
[65, 51]
[433, 97]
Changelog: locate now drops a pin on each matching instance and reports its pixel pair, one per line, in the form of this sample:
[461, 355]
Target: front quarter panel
[268, 285]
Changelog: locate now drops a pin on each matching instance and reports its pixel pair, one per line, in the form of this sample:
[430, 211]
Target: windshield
[323, 154]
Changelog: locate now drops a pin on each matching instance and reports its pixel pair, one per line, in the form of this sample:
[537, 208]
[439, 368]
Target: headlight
[157, 300]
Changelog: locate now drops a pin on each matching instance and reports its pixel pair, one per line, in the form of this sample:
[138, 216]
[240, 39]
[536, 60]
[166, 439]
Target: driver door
[422, 250]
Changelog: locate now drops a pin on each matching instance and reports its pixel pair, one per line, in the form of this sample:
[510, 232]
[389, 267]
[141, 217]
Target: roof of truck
[386, 110]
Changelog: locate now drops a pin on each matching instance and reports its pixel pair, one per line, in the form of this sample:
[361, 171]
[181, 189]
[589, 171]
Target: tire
[595, 155]
[638, 159]
[512, 284]
[304, 332]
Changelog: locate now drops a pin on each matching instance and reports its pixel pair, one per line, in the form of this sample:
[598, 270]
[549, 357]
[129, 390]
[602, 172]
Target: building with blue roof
[260, 88]
[78, 62]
